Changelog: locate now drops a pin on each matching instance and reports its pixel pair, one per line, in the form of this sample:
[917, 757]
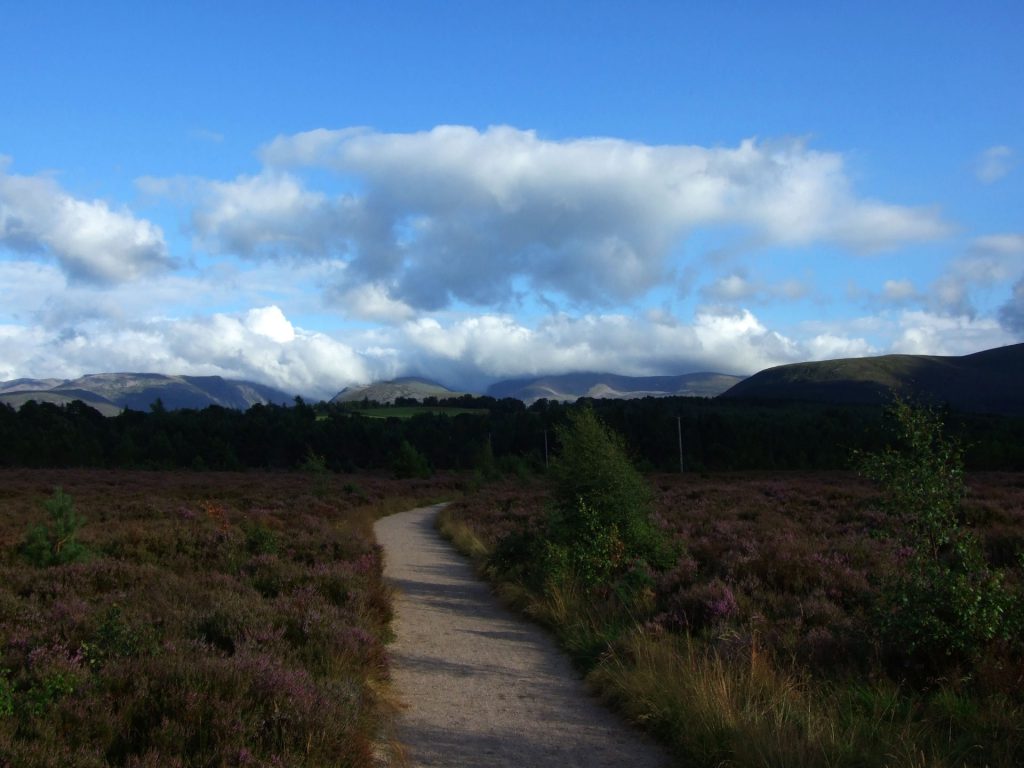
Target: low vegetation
[803, 619]
[194, 619]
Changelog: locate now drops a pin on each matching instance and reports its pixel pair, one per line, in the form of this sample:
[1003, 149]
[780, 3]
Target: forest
[660, 434]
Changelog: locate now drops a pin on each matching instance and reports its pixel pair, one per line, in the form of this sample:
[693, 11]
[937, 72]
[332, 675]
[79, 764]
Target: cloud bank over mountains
[470, 255]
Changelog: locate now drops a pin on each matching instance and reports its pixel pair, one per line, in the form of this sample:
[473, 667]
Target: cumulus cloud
[90, 240]
[994, 163]
[488, 347]
[828, 346]
[990, 260]
[260, 344]
[738, 287]
[898, 291]
[1011, 314]
[460, 214]
[371, 301]
[268, 214]
[926, 333]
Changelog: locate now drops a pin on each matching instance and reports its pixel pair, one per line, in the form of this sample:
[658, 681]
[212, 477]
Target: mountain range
[110, 393]
[984, 382]
[565, 387]
[572, 386]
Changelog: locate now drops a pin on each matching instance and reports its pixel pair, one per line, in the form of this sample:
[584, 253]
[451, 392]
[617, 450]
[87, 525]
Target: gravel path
[483, 687]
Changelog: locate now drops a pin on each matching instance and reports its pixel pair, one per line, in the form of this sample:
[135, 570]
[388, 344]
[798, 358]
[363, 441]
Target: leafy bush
[596, 485]
[56, 543]
[6, 695]
[599, 523]
[409, 462]
[316, 466]
[945, 604]
[589, 553]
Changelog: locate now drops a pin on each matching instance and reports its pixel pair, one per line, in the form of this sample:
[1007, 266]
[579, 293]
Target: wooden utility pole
[679, 431]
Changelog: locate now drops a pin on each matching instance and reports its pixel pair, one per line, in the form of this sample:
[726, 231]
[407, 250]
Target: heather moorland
[783, 618]
[187, 619]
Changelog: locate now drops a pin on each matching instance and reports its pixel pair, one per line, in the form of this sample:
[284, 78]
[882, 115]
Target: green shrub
[945, 605]
[595, 484]
[6, 695]
[316, 466]
[56, 543]
[260, 540]
[409, 462]
[599, 523]
[588, 553]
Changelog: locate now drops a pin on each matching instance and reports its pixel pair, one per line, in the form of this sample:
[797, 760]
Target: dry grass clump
[217, 620]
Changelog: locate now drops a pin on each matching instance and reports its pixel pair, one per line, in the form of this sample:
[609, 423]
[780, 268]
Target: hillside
[112, 392]
[390, 391]
[984, 382]
[572, 386]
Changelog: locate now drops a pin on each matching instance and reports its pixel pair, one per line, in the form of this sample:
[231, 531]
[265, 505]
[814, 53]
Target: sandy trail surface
[481, 686]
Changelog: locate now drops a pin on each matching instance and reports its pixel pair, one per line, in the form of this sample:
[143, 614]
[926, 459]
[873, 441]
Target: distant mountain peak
[406, 387]
[112, 392]
[572, 386]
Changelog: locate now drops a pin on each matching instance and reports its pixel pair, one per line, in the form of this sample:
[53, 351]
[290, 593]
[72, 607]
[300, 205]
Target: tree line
[660, 434]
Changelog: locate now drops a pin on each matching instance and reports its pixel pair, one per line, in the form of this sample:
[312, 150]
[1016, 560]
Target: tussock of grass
[461, 536]
[749, 711]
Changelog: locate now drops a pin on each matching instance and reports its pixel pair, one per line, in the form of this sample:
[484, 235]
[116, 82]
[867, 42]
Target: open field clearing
[216, 619]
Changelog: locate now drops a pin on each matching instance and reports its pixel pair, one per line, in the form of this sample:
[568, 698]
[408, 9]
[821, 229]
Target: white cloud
[994, 163]
[458, 214]
[270, 322]
[484, 348]
[262, 344]
[88, 239]
[740, 337]
[372, 301]
[259, 344]
[926, 333]
[737, 287]
[730, 288]
[268, 214]
[1011, 314]
[898, 291]
[827, 346]
[1005, 244]
[990, 260]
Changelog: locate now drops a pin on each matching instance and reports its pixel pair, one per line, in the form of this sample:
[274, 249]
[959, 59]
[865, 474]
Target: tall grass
[750, 711]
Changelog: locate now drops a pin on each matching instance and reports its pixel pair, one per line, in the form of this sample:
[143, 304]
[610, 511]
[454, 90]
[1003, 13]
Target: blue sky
[319, 194]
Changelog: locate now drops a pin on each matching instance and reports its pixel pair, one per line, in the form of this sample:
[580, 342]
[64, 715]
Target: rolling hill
[110, 393]
[390, 391]
[572, 386]
[984, 382]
